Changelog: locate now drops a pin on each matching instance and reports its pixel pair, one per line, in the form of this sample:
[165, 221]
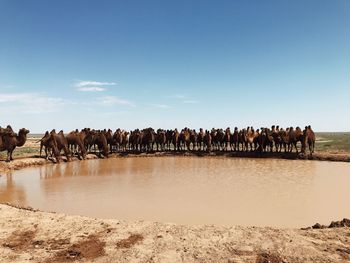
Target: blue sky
[75, 64]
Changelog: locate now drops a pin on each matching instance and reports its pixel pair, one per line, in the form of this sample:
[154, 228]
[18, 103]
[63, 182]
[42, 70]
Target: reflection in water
[189, 190]
[10, 192]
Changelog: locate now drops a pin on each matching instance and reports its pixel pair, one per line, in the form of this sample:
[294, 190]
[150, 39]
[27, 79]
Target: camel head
[23, 131]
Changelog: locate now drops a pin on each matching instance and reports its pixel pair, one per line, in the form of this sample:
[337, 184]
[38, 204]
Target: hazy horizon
[109, 64]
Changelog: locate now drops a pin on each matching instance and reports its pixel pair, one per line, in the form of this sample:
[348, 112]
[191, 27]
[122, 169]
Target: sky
[135, 64]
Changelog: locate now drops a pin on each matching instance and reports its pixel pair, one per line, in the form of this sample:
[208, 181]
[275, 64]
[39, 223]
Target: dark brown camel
[74, 140]
[208, 141]
[161, 139]
[49, 143]
[61, 143]
[227, 139]
[235, 139]
[10, 141]
[200, 139]
[100, 140]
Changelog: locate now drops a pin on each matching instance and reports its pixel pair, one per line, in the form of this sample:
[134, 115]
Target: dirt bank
[32, 160]
[50, 237]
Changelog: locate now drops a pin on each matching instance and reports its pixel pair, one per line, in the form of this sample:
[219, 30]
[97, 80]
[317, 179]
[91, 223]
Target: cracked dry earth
[33, 236]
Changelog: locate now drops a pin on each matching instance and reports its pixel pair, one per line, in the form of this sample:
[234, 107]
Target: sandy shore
[49, 237]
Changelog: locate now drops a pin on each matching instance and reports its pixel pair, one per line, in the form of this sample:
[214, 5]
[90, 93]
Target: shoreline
[56, 237]
[34, 160]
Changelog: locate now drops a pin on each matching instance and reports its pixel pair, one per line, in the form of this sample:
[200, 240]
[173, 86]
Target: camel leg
[66, 152]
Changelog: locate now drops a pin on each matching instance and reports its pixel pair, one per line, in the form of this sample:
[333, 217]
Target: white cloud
[113, 101]
[84, 83]
[98, 89]
[92, 86]
[161, 106]
[31, 103]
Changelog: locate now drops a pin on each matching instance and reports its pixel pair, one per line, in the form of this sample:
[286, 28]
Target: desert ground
[34, 236]
[28, 235]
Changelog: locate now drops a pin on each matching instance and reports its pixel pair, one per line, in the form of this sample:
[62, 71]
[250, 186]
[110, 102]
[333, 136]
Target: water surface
[188, 190]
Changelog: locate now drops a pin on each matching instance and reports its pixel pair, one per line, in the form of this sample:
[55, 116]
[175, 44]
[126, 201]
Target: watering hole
[188, 190]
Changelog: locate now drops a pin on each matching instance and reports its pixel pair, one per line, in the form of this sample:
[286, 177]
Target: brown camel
[10, 141]
[250, 138]
[295, 136]
[309, 139]
[100, 140]
[61, 143]
[184, 139]
[208, 141]
[74, 140]
[49, 143]
[193, 139]
[175, 140]
[200, 139]
[161, 139]
[227, 139]
[235, 139]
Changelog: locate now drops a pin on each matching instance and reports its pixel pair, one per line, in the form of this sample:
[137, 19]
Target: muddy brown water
[188, 190]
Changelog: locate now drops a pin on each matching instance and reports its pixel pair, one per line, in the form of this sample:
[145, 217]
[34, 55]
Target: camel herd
[104, 142]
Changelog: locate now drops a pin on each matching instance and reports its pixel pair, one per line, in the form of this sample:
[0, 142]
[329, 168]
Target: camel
[200, 139]
[309, 139]
[242, 138]
[175, 140]
[250, 138]
[295, 136]
[147, 139]
[227, 139]
[235, 140]
[109, 138]
[74, 140]
[184, 139]
[50, 144]
[9, 141]
[277, 139]
[134, 140]
[125, 140]
[161, 139]
[61, 142]
[99, 139]
[193, 139]
[169, 137]
[207, 141]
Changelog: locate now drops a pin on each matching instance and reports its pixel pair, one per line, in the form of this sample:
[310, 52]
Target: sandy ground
[49, 237]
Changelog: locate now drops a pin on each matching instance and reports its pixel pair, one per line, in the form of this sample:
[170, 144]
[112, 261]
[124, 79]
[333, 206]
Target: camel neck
[21, 139]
